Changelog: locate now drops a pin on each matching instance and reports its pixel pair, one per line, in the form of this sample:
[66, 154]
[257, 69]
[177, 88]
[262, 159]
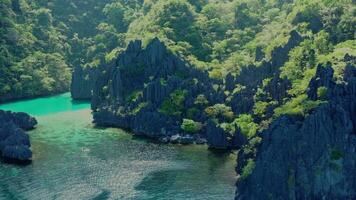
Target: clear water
[73, 161]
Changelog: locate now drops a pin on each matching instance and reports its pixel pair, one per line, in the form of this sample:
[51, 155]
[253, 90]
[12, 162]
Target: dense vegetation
[219, 36]
[42, 41]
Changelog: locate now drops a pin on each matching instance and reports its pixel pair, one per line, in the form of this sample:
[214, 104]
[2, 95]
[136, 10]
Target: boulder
[18, 152]
[24, 121]
[14, 142]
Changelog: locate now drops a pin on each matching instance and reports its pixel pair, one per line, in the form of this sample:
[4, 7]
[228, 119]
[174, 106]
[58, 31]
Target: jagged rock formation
[83, 81]
[311, 157]
[136, 89]
[217, 138]
[14, 142]
[150, 91]
[252, 76]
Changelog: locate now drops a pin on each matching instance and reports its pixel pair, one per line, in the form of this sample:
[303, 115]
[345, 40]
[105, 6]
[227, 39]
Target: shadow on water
[20, 163]
[80, 102]
[134, 137]
[159, 183]
[104, 195]
[142, 138]
[75, 158]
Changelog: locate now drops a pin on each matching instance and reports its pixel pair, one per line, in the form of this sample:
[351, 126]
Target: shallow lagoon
[74, 160]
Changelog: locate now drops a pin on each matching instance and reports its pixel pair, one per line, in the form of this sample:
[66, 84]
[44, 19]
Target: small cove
[74, 160]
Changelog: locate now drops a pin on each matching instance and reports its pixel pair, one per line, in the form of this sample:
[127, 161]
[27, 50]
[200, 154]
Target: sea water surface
[73, 160]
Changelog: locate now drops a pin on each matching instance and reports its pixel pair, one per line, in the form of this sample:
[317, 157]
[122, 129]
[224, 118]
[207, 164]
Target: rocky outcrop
[83, 81]
[149, 91]
[217, 138]
[251, 77]
[311, 157]
[14, 142]
[142, 85]
[323, 78]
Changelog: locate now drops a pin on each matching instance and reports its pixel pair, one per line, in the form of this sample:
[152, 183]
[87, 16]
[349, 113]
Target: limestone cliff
[311, 157]
[83, 81]
[150, 91]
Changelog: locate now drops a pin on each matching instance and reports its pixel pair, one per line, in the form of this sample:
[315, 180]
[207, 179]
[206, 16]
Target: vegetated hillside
[41, 41]
[310, 156]
[219, 36]
[228, 72]
[273, 74]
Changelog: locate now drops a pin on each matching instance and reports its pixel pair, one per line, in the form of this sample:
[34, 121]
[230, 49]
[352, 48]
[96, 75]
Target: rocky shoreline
[130, 92]
[146, 88]
[153, 93]
[14, 141]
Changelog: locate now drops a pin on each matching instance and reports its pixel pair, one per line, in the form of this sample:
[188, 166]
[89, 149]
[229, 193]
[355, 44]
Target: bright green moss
[300, 105]
[248, 168]
[322, 91]
[191, 126]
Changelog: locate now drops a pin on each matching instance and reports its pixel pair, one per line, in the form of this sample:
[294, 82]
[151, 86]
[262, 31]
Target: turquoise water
[46, 105]
[73, 161]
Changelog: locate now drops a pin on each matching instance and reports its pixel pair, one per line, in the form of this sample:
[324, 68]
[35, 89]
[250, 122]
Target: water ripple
[73, 160]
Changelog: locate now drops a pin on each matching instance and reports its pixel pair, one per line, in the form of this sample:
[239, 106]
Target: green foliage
[246, 124]
[259, 108]
[115, 14]
[113, 54]
[44, 17]
[336, 57]
[245, 17]
[299, 105]
[134, 96]
[248, 168]
[301, 58]
[192, 112]
[201, 100]
[336, 154]
[322, 91]
[41, 41]
[138, 108]
[191, 126]
[40, 74]
[174, 104]
[219, 110]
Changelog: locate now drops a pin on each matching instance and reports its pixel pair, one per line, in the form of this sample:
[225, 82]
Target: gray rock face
[131, 93]
[310, 158]
[252, 76]
[217, 138]
[14, 142]
[83, 81]
[323, 78]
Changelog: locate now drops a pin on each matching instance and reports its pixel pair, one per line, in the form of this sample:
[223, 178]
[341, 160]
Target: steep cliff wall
[83, 81]
[150, 91]
[145, 85]
[311, 157]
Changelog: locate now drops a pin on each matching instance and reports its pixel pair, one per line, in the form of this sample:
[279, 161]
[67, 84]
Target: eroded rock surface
[149, 91]
[311, 157]
[14, 142]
